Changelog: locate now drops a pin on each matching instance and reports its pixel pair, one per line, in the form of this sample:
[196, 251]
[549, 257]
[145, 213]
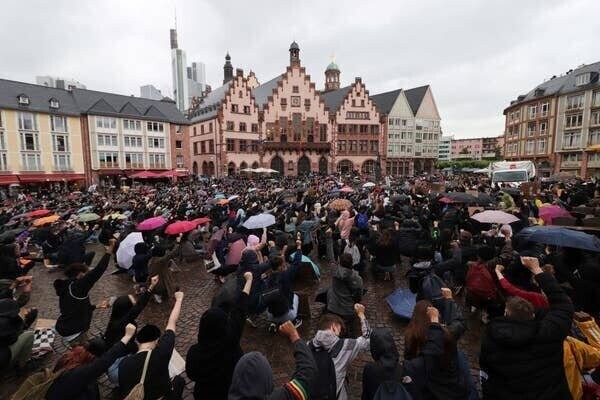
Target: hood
[249, 258]
[9, 308]
[60, 285]
[252, 378]
[120, 308]
[325, 339]
[253, 240]
[512, 334]
[213, 326]
[383, 348]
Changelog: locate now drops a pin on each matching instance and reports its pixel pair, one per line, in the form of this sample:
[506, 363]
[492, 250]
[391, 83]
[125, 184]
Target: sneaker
[251, 322]
[297, 323]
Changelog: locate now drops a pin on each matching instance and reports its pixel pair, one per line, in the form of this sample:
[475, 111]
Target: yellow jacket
[578, 355]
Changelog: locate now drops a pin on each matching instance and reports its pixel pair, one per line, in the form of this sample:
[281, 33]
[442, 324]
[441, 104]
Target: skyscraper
[150, 92]
[179, 67]
[196, 80]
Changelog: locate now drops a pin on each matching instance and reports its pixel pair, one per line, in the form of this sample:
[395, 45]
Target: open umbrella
[560, 236]
[219, 196]
[347, 189]
[126, 249]
[222, 202]
[340, 204]
[548, 213]
[87, 217]
[114, 216]
[461, 197]
[277, 190]
[84, 209]
[484, 198]
[259, 221]
[231, 198]
[447, 200]
[46, 220]
[180, 227]
[200, 221]
[38, 213]
[151, 224]
[369, 185]
[494, 217]
[202, 193]
[10, 235]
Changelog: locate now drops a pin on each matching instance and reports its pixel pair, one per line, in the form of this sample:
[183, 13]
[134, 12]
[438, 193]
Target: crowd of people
[536, 302]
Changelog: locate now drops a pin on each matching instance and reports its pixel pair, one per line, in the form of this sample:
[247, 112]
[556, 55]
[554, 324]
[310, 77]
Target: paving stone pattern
[199, 289]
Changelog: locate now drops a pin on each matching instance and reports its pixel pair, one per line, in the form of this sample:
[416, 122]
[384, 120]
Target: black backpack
[324, 386]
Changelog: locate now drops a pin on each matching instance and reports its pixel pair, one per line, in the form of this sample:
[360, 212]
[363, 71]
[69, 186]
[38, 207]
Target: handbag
[137, 393]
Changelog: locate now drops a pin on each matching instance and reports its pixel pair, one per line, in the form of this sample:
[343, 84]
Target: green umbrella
[87, 217]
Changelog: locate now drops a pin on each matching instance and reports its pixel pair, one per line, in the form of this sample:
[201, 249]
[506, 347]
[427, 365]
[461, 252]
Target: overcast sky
[476, 54]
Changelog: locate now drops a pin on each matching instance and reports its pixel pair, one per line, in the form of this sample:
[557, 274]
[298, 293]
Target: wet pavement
[199, 289]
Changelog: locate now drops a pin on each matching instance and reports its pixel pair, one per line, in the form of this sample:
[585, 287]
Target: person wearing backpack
[482, 291]
[75, 375]
[334, 355]
[156, 352]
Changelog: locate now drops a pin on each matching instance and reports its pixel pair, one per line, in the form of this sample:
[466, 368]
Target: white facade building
[445, 148]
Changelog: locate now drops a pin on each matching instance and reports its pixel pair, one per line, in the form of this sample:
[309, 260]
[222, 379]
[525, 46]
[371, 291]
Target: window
[254, 146]
[156, 143]
[58, 123]
[531, 129]
[575, 102]
[374, 146]
[583, 79]
[594, 137]
[229, 125]
[295, 101]
[342, 146]
[530, 146]
[203, 148]
[134, 160]
[363, 146]
[533, 111]
[306, 102]
[353, 145]
[108, 159]
[106, 123]
[594, 158]
[178, 144]
[107, 140]
[29, 141]
[210, 127]
[254, 128]
[179, 161]
[156, 160]
[234, 108]
[31, 162]
[595, 118]
[545, 108]
[23, 100]
[27, 121]
[322, 132]
[571, 140]
[211, 146]
[155, 127]
[295, 89]
[133, 141]
[60, 143]
[133, 125]
[194, 130]
[362, 103]
[571, 157]
[357, 115]
[2, 142]
[596, 99]
[54, 103]
[283, 101]
[573, 120]
[246, 109]
[243, 146]
[543, 127]
[230, 145]
[62, 162]
[242, 127]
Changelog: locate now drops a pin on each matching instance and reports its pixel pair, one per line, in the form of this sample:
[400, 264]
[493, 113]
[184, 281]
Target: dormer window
[54, 103]
[23, 100]
[583, 79]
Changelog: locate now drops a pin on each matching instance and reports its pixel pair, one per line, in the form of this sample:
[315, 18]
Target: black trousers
[178, 383]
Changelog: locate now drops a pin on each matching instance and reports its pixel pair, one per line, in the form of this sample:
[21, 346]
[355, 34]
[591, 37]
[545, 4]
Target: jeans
[113, 371]
[290, 316]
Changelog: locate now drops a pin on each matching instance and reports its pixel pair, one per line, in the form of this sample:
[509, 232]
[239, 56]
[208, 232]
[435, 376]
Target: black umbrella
[560, 236]
[9, 236]
[484, 198]
[461, 197]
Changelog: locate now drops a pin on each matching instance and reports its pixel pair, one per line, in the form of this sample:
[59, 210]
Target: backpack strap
[337, 348]
[143, 378]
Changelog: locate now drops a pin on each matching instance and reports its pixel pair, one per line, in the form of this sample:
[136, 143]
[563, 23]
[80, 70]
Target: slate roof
[209, 105]
[415, 97]
[82, 101]
[261, 93]
[334, 98]
[39, 98]
[385, 101]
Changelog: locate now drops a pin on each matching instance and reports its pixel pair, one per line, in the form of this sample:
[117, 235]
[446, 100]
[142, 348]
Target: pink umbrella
[180, 227]
[548, 213]
[347, 189]
[200, 221]
[151, 223]
[494, 217]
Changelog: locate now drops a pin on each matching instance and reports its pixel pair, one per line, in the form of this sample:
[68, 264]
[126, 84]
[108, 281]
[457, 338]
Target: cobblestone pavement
[199, 289]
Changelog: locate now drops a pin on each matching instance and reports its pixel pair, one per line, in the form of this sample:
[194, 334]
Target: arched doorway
[211, 169]
[303, 165]
[368, 167]
[254, 165]
[231, 169]
[418, 167]
[204, 168]
[344, 167]
[243, 166]
[323, 165]
[195, 168]
[277, 164]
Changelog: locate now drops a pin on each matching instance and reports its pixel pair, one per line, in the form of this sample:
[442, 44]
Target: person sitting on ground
[278, 296]
[159, 265]
[342, 351]
[74, 300]
[521, 355]
[157, 383]
[253, 376]
[139, 264]
[81, 367]
[210, 362]
[9, 289]
[16, 342]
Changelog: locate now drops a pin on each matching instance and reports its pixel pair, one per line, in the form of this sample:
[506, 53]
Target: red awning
[145, 175]
[38, 178]
[8, 179]
[171, 174]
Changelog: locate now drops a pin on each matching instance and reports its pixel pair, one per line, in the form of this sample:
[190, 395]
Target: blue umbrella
[402, 302]
[84, 209]
[220, 196]
[305, 259]
[560, 236]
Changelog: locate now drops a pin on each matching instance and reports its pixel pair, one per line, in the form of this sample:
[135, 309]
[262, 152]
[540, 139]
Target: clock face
[295, 101]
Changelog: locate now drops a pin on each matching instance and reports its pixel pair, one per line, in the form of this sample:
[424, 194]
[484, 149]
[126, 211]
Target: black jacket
[74, 301]
[524, 359]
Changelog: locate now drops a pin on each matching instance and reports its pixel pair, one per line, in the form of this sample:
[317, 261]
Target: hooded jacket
[211, 361]
[253, 377]
[524, 359]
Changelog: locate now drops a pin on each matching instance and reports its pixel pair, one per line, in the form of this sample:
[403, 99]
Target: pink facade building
[467, 148]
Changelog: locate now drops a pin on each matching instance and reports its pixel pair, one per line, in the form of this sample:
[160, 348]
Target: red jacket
[537, 299]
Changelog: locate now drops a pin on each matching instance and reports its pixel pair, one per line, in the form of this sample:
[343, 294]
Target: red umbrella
[548, 213]
[200, 221]
[151, 223]
[347, 189]
[38, 213]
[144, 175]
[180, 227]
